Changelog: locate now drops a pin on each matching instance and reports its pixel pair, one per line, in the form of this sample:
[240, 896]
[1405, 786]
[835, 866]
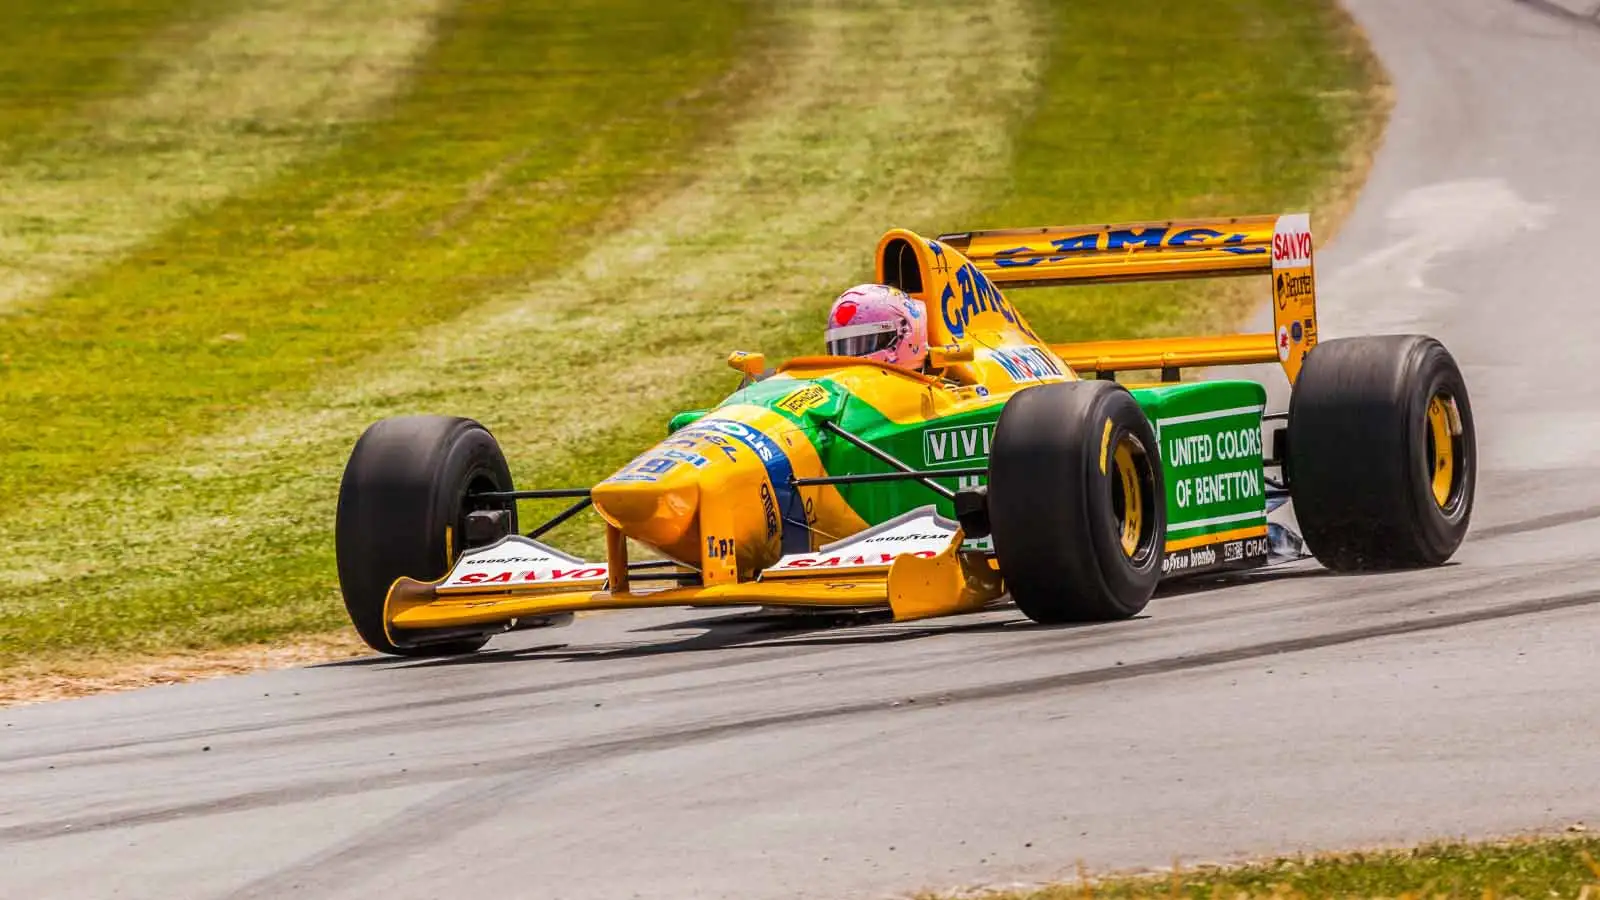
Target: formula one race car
[999, 473]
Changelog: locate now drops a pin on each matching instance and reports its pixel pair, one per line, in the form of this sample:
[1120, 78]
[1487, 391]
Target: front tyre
[1076, 502]
[402, 511]
[1382, 453]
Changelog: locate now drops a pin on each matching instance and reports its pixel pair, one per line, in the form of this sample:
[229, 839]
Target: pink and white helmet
[875, 321]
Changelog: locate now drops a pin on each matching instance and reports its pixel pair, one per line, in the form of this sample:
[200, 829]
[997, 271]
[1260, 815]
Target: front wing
[912, 565]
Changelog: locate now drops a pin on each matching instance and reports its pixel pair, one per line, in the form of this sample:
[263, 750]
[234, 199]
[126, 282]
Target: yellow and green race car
[1007, 470]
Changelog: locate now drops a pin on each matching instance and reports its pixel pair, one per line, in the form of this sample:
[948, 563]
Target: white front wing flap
[518, 561]
[920, 532]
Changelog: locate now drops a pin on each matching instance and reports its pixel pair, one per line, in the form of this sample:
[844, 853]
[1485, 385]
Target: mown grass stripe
[264, 86]
[61, 57]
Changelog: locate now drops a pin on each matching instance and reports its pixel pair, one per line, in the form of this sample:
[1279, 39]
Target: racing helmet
[879, 322]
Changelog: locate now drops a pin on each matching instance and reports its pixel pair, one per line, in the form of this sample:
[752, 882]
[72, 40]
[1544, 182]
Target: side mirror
[942, 357]
[748, 364]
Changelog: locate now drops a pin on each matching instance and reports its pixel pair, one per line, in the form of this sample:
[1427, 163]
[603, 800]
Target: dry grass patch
[29, 683]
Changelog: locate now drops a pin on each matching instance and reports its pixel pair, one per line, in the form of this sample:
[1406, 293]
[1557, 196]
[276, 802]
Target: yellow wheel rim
[1131, 512]
[1444, 450]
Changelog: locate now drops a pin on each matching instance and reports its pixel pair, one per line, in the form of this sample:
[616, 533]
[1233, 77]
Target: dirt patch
[46, 681]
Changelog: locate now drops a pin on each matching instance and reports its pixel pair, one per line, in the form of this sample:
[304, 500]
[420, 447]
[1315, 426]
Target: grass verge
[572, 271]
[1548, 867]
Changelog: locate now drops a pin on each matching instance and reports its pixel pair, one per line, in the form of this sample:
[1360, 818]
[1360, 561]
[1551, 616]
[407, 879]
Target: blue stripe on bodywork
[780, 472]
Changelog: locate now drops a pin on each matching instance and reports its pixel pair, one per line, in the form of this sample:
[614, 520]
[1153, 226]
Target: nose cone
[659, 510]
[714, 494]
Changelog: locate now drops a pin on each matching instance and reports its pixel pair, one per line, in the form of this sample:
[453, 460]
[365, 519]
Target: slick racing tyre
[1382, 457]
[1076, 502]
[402, 511]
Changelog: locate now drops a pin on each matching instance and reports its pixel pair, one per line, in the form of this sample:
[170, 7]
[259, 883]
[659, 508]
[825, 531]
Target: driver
[878, 322]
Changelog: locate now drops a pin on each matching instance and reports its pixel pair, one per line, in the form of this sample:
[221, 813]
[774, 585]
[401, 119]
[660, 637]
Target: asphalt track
[653, 756]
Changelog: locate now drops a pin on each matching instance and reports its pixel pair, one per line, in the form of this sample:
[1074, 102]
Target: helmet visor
[860, 340]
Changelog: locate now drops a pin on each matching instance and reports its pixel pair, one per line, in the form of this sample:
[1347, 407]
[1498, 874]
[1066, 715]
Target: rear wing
[1162, 251]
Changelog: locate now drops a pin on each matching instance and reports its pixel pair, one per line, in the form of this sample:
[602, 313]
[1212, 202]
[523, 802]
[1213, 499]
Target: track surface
[655, 757]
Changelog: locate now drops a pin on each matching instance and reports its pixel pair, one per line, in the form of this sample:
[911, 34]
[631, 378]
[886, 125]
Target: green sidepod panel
[1211, 455]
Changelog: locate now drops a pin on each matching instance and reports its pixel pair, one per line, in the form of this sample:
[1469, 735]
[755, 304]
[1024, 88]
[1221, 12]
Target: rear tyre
[1382, 455]
[1076, 502]
[402, 510]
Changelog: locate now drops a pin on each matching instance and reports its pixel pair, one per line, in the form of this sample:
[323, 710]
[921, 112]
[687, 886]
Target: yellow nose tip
[656, 513]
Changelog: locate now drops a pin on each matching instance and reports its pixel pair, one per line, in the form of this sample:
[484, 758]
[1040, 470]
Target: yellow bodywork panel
[1169, 353]
[1130, 251]
[923, 588]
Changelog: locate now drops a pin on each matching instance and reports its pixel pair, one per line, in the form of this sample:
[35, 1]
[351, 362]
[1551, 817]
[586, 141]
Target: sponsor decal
[1295, 333]
[1292, 287]
[508, 576]
[1283, 342]
[956, 445]
[699, 442]
[919, 533]
[1154, 237]
[769, 509]
[911, 536]
[1223, 487]
[970, 293]
[519, 561]
[1026, 363]
[848, 561]
[1190, 560]
[806, 398]
[651, 466]
[693, 459]
[1291, 242]
[1226, 554]
[1206, 446]
[1214, 470]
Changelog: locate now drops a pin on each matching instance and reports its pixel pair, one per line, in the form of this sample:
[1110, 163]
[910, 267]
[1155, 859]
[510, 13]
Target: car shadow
[1201, 584]
[757, 629]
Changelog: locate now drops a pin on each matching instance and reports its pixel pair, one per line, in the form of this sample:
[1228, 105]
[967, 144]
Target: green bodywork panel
[1210, 437]
[1208, 432]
